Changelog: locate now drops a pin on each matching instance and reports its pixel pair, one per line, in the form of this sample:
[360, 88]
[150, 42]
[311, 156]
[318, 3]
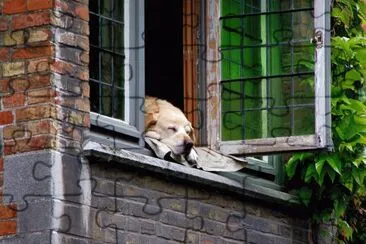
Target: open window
[117, 71]
[272, 94]
[253, 76]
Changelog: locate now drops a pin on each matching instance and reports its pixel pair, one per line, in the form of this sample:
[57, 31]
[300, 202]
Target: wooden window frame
[322, 137]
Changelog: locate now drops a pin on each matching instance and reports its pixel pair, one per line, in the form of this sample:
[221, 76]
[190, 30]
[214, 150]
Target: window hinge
[317, 39]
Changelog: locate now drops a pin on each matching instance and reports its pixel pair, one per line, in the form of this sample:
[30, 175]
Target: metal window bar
[267, 72]
[103, 51]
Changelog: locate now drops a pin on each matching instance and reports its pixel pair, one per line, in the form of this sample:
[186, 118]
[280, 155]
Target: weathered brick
[4, 54]
[72, 24]
[42, 127]
[6, 117]
[14, 68]
[14, 38]
[45, 95]
[39, 35]
[38, 81]
[4, 23]
[73, 117]
[78, 103]
[32, 143]
[32, 52]
[8, 227]
[7, 211]
[73, 8]
[84, 57]
[18, 85]
[147, 227]
[31, 20]
[1, 166]
[14, 131]
[39, 4]
[69, 54]
[38, 65]
[36, 112]
[65, 68]
[82, 12]
[14, 6]
[14, 100]
[85, 87]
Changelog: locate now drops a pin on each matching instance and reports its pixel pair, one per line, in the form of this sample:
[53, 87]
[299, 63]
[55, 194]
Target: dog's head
[168, 124]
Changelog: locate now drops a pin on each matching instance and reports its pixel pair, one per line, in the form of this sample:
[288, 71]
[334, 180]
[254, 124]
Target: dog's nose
[188, 144]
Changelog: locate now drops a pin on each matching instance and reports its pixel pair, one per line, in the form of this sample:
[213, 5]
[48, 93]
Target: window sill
[248, 187]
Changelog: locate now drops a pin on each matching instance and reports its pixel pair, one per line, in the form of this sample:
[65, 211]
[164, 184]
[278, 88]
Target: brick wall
[50, 195]
[44, 90]
[135, 206]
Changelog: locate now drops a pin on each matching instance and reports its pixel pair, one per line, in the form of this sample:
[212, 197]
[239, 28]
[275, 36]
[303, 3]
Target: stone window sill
[247, 188]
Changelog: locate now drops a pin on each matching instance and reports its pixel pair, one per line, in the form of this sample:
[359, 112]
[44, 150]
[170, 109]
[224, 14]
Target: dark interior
[164, 50]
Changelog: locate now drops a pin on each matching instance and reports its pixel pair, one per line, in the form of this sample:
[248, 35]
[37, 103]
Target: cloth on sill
[208, 160]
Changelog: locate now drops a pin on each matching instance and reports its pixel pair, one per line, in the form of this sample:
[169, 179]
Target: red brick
[82, 12]
[6, 117]
[14, 131]
[41, 96]
[32, 52]
[38, 65]
[4, 24]
[1, 166]
[14, 100]
[7, 211]
[39, 4]
[31, 20]
[14, 6]
[42, 127]
[34, 81]
[32, 113]
[8, 228]
[29, 144]
[4, 54]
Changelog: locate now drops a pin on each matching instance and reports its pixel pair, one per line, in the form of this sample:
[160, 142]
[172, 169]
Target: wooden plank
[269, 145]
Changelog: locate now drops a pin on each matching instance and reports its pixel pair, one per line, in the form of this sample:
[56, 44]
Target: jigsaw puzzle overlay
[107, 202]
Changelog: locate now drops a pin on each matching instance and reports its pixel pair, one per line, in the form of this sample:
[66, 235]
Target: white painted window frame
[319, 140]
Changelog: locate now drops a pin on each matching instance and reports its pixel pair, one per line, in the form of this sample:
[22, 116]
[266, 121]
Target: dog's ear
[151, 112]
[191, 135]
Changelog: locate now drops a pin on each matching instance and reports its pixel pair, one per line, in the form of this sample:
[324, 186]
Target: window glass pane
[266, 68]
[107, 58]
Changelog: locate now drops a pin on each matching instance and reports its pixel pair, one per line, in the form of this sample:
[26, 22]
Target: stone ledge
[192, 175]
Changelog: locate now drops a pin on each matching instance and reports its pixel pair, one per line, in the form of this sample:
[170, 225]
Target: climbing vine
[332, 184]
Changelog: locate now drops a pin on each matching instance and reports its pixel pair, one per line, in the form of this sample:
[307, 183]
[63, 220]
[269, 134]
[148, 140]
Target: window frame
[322, 136]
[133, 125]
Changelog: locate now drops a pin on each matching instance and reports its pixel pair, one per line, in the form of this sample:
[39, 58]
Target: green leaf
[332, 174]
[319, 166]
[305, 195]
[310, 172]
[345, 229]
[356, 175]
[320, 178]
[353, 75]
[335, 163]
[291, 166]
[339, 208]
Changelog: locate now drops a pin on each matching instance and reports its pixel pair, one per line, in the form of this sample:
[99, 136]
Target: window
[117, 68]
[254, 79]
[274, 82]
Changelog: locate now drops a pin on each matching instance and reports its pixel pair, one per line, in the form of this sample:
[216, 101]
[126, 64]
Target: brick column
[44, 96]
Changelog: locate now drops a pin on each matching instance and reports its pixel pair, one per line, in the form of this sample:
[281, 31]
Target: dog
[169, 125]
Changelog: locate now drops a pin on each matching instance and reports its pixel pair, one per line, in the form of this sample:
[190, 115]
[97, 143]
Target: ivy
[332, 185]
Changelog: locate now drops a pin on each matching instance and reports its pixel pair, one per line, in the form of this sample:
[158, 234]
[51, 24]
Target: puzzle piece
[143, 211]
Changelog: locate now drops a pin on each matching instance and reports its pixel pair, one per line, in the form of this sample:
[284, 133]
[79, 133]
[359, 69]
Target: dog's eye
[172, 128]
[187, 129]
